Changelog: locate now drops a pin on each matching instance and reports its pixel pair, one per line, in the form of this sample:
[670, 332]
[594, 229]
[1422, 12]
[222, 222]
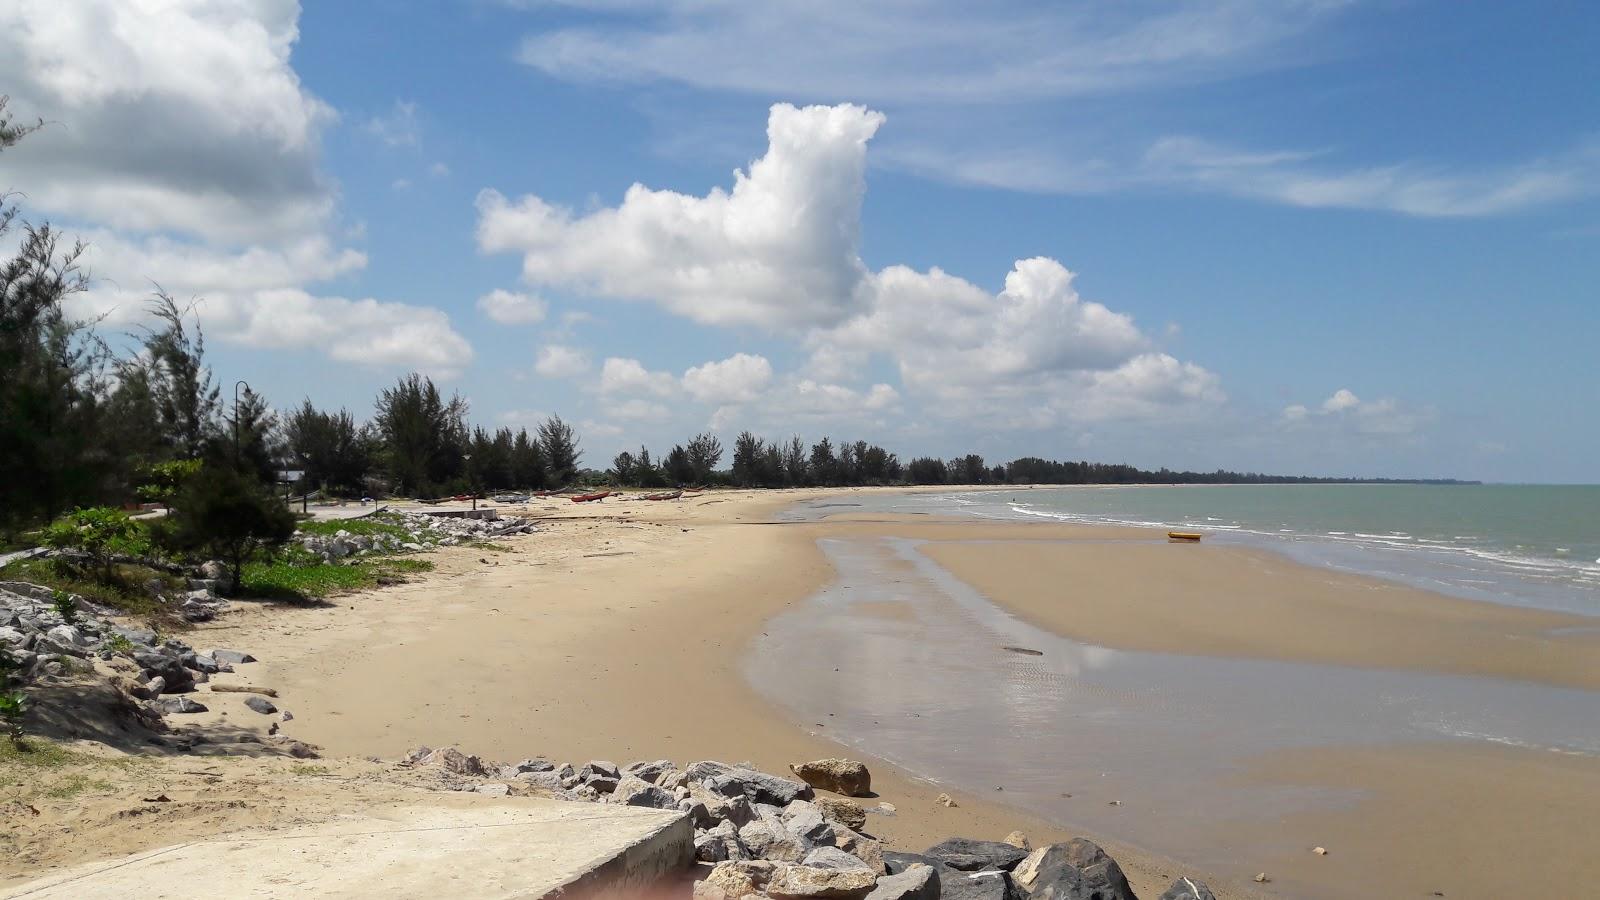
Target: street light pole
[472, 483]
[236, 417]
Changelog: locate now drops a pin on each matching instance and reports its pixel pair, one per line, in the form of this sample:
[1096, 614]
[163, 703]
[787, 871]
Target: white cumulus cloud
[629, 376]
[512, 308]
[738, 379]
[561, 361]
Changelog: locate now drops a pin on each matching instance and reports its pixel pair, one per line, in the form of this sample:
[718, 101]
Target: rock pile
[45, 646]
[423, 531]
[765, 836]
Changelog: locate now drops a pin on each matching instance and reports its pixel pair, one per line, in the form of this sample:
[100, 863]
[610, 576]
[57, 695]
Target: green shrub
[102, 532]
[12, 707]
[64, 606]
[160, 482]
[224, 513]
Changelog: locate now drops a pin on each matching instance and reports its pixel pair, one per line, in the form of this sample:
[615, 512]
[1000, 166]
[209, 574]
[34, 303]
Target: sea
[1523, 545]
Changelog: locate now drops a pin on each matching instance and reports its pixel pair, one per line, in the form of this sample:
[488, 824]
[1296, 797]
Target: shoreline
[619, 632]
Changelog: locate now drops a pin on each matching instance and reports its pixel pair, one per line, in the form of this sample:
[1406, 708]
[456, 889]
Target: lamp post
[305, 494]
[472, 483]
[236, 417]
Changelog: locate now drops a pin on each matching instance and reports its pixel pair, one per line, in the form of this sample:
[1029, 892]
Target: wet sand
[1234, 602]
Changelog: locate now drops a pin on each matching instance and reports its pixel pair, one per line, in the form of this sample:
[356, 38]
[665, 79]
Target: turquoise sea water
[1526, 545]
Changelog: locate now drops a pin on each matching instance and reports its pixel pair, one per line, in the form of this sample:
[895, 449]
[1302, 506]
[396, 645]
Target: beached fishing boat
[1184, 537]
[587, 498]
[664, 495]
[511, 498]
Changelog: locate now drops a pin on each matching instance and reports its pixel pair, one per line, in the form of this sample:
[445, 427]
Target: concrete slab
[521, 848]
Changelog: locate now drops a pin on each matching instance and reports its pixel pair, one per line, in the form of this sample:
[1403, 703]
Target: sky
[1297, 236]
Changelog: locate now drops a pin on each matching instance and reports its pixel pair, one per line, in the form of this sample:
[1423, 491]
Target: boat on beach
[589, 498]
[1183, 537]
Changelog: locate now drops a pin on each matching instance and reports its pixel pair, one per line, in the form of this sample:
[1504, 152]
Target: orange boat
[585, 498]
[1183, 537]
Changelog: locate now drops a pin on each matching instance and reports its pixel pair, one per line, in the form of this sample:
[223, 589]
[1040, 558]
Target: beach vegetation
[224, 512]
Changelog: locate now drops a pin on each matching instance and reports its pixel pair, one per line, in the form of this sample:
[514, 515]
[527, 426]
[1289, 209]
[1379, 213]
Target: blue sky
[1321, 237]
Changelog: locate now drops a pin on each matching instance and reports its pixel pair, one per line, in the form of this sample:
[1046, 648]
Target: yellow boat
[1184, 537]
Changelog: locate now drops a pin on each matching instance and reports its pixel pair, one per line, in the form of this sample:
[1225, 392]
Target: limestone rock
[814, 883]
[861, 847]
[719, 844]
[600, 767]
[897, 861]
[735, 879]
[832, 858]
[1019, 840]
[842, 812]
[946, 801]
[841, 776]
[448, 758]
[809, 824]
[1188, 889]
[919, 882]
[969, 855]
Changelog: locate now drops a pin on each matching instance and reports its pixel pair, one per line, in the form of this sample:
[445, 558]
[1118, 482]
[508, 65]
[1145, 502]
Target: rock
[769, 839]
[650, 771]
[67, 635]
[1019, 840]
[861, 847]
[1079, 872]
[919, 882]
[737, 810]
[139, 636]
[807, 822]
[605, 784]
[635, 791]
[842, 812]
[990, 885]
[1189, 889]
[946, 801]
[735, 879]
[549, 781]
[600, 767]
[719, 844]
[230, 657]
[494, 789]
[260, 704]
[897, 861]
[535, 765]
[171, 705]
[1261, 878]
[448, 758]
[193, 660]
[821, 884]
[153, 662]
[154, 687]
[12, 637]
[841, 776]
[1320, 851]
[831, 858]
[969, 855]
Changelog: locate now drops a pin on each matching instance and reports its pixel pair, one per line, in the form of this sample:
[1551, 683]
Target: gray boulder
[759, 787]
[260, 704]
[1082, 871]
[169, 705]
[1188, 889]
[635, 791]
[807, 822]
[897, 861]
[549, 781]
[650, 771]
[719, 844]
[992, 884]
[231, 657]
[812, 883]
[919, 882]
[605, 784]
[600, 767]
[969, 855]
[768, 839]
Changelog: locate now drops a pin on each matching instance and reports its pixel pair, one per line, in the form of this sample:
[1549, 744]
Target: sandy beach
[619, 632]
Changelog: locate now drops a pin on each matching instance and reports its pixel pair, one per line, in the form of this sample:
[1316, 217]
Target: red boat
[585, 498]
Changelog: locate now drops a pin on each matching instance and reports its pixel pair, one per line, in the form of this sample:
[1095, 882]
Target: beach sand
[618, 632]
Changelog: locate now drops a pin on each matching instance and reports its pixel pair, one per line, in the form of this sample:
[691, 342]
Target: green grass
[490, 546]
[70, 786]
[296, 575]
[37, 753]
[124, 591]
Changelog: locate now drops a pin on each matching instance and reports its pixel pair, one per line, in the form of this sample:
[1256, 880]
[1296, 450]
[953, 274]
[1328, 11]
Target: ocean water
[1525, 545]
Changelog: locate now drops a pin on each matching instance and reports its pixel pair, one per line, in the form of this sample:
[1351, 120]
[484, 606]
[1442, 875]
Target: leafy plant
[64, 606]
[100, 531]
[13, 704]
[117, 643]
[160, 482]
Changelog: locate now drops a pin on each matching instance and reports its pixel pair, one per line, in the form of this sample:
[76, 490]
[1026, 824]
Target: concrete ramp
[521, 848]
